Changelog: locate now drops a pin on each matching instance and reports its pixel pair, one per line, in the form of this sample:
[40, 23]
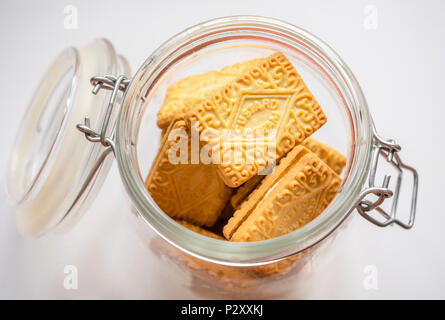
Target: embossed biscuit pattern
[182, 95]
[185, 93]
[300, 196]
[334, 159]
[253, 200]
[271, 96]
[191, 192]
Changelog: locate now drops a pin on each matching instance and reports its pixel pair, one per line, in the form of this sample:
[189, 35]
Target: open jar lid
[53, 173]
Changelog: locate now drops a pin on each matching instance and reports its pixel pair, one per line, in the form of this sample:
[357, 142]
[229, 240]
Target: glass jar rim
[242, 253]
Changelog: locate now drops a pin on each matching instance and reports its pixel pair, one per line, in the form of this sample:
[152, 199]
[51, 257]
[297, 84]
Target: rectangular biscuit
[191, 192]
[334, 159]
[271, 98]
[249, 205]
[302, 193]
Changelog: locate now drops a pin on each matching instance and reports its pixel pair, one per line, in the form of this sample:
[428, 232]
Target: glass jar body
[210, 46]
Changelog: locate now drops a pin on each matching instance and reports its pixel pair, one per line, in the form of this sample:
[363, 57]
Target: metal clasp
[389, 150]
[108, 82]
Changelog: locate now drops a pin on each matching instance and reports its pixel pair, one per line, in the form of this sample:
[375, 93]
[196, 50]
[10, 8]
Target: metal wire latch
[108, 82]
[389, 150]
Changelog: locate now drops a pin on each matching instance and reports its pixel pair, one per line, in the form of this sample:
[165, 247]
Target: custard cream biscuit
[244, 190]
[199, 230]
[185, 93]
[304, 189]
[269, 99]
[186, 191]
[334, 159]
[250, 204]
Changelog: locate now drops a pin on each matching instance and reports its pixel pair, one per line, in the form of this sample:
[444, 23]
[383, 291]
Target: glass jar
[55, 172]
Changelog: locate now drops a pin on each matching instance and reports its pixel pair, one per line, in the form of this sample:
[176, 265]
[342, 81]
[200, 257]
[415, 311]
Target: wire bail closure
[108, 82]
[389, 150]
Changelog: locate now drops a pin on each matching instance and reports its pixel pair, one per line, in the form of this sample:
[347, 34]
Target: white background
[399, 65]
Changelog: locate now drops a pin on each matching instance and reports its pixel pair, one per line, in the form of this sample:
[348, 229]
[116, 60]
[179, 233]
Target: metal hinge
[389, 150]
[108, 82]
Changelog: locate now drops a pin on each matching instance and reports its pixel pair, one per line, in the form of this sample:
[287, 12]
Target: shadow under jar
[127, 128]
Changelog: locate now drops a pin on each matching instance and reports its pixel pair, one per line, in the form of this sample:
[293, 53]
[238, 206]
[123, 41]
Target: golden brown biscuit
[334, 159]
[185, 93]
[225, 215]
[162, 135]
[199, 230]
[297, 192]
[250, 204]
[244, 190]
[191, 192]
[271, 98]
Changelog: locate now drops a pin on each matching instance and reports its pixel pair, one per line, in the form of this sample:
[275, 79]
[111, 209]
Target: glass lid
[54, 172]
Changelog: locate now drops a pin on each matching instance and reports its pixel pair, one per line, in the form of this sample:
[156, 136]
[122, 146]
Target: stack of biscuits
[236, 196]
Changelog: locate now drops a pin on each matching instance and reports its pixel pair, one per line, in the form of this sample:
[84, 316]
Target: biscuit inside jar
[232, 195]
